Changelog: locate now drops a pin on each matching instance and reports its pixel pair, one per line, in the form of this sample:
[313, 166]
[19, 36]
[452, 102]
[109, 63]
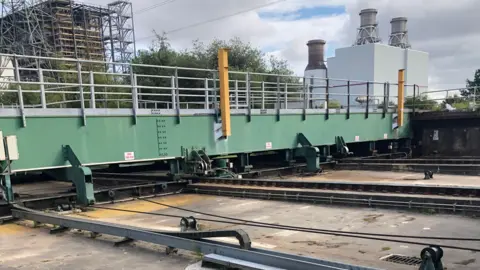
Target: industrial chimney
[399, 33]
[316, 72]
[316, 48]
[367, 32]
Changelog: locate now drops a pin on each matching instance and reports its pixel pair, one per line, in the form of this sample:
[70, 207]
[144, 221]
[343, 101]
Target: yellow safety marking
[12, 229]
[224, 91]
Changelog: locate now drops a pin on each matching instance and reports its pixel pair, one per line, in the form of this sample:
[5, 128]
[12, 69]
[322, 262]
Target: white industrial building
[377, 63]
[368, 60]
[6, 71]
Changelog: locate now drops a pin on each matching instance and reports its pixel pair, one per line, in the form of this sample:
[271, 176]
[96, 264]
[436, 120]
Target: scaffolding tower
[121, 35]
[64, 28]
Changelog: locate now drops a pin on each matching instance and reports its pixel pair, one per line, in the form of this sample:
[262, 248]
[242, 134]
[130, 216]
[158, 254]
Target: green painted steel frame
[107, 139]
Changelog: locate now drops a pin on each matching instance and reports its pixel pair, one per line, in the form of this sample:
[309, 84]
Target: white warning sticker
[129, 155]
[357, 138]
[385, 135]
[268, 145]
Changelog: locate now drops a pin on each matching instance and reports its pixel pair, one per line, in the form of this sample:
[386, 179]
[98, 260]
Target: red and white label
[129, 155]
[357, 138]
[268, 145]
[385, 135]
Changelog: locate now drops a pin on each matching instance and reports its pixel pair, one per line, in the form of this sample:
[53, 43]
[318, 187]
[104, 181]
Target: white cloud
[444, 29]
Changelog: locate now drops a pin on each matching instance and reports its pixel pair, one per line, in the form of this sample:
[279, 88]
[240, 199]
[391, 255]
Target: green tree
[242, 57]
[421, 103]
[458, 102]
[473, 86]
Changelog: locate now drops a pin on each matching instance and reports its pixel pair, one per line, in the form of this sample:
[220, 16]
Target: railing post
[368, 100]
[177, 95]
[414, 98]
[215, 100]
[385, 100]
[206, 106]
[172, 86]
[263, 95]
[277, 100]
[348, 99]
[93, 104]
[249, 107]
[388, 93]
[43, 99]
[285, 96]
[215, 96]
[305, 89]
[310, 100]
[474, 96]
[80, 89]
[20, 93]
[327, 98]
[236, 94]
[133, 78]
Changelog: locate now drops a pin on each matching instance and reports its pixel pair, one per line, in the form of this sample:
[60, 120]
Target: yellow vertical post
[224, 91]
[401, 94]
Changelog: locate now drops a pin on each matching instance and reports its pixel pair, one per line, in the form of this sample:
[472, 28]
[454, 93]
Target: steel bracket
[342, 148]
[309, 152]
[197, 162]
[80, 176]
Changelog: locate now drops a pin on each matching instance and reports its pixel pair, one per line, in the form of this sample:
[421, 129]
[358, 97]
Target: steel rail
[443, 204]
[260, 256]
[444, 190]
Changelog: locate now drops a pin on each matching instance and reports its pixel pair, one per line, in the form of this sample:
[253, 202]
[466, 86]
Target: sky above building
[445, 29]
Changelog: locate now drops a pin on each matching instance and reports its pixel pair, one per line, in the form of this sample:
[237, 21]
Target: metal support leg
[80, 176]
[175, 169]
[311, 155]
[309, 152]
[289, 157]
[6, 188]
[242, 163]
[372, 147]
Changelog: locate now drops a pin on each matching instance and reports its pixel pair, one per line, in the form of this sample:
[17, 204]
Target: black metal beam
[265, 257]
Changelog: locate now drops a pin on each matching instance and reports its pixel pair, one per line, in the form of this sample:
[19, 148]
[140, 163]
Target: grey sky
[446, 29]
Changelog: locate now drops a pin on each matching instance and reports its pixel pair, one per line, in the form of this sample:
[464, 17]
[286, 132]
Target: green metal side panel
[106, 139]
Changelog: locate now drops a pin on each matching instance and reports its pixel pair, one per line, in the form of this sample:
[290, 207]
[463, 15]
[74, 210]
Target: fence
[73, 83]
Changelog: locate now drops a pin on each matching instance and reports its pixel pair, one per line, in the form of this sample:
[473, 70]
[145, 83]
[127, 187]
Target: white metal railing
[39, 82]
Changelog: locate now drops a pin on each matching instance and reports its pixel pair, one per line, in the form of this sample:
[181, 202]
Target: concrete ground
[22, 247]
[405, 178]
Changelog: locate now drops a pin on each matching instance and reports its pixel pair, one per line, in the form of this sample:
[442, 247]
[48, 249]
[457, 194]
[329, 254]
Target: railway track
[374, 187]
[422, 203]
[112, 187]
[429, 161]
[447, 166]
